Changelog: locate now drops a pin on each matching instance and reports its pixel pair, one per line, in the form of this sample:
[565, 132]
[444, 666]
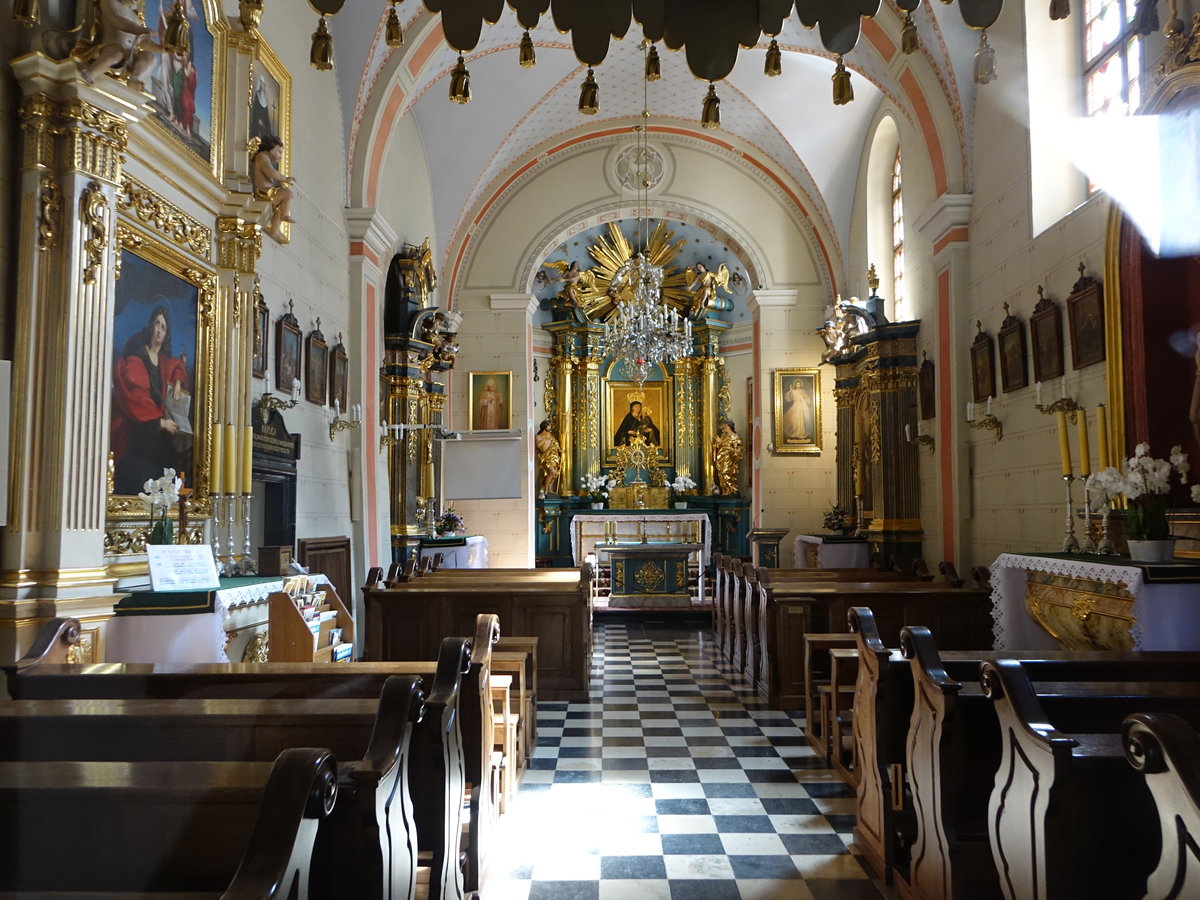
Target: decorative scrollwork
[93, 204]
[649, 577]
[166, 218]
[49, 208]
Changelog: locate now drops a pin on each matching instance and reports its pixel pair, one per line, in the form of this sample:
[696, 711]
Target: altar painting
[628, 412]
[182, 86]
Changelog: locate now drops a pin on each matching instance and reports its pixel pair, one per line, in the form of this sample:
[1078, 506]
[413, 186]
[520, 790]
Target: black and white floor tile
[674, 783]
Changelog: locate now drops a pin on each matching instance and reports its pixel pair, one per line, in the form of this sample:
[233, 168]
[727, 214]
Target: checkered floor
[674, 782]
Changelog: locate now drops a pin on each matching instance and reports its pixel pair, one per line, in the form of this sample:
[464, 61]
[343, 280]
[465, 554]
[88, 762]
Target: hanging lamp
[589, 94]
[393, 34]
[460, 82]
[320, 56]
[528, 56]
[710, 115]
[177, 39]
[773, 65]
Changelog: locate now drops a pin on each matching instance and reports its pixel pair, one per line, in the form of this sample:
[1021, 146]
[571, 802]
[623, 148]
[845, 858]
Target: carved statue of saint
[549, 457]
[575, 282]
[728, 450]
[703, 284]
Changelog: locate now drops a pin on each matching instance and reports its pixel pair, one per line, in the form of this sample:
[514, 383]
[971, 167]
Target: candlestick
[908, 434]
[1037, 394]
[1085, 461]
[247, 567]
[970, 411]
[216, 532]
[1070, 542]
[229, 468]
[989, 405]
[1102, 435]
[1064, 444]
[248, 459]
[1106, 545]
[1088, 545]
[230, 564]
[215, 445]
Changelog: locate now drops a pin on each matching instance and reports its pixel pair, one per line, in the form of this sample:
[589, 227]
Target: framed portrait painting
[1046, 330]
[927, 388]
[287, 352]
[316, 366]
[1085, 310]
[339, 368]
[161, 383]
[1014, 366]
[983, 366]
[490, 400]
[797, 409]
[262, 320]
[182, 85]
[627, 411]
[270, 99]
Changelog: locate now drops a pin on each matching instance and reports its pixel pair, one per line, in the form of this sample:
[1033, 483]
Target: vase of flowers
[597, 487]
[681, 487]
[159, 495]
[837, 518]
[1145, 483]
[450, 523]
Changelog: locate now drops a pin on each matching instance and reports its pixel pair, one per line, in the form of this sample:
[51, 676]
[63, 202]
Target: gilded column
[712, 370]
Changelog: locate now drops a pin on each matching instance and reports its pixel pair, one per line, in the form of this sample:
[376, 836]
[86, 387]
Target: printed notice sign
[182, 567]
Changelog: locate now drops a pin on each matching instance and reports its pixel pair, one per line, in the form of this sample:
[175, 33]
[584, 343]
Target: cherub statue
[575, 282]
[124, 43]
[703, 284]
[271, 184]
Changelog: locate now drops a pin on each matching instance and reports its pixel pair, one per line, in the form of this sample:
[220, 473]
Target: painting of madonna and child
[154, 373]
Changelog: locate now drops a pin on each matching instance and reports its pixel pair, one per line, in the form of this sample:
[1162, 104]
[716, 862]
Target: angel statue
[575, 282]
[703, 284]
[124, 42]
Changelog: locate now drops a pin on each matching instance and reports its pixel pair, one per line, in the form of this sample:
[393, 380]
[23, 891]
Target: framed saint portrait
[797, 410]
[316, 366]
[262, 320]
[339, 368]
[287, 352]
[1085, 310]
[983, 366]
[270, 99]
[927, 388]
[1046, 330]
[490, 400]
[162, 386]
[1014, 367]
[626, 411]
[182, 86]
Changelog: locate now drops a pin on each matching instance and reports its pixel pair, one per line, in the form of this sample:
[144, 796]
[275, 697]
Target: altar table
[1094, 602]
[830, 551]
[462, 552]
[654, 573]
[631, 525]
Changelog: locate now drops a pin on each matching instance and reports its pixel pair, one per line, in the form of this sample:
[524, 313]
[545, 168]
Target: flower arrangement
[160, 494]
[683, 485]
[450, 522]
[836, 518]
[1144, 482]
[597, 487]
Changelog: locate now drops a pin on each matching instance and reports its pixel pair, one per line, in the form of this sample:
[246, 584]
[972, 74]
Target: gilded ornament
[49, 207]
[649, 577]
[84, 650]
[257, 648]
[93, 208]
[166, 218]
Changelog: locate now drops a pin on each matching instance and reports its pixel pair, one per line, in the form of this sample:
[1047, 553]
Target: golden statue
[549, 458]
[728, 450]
[703, 284]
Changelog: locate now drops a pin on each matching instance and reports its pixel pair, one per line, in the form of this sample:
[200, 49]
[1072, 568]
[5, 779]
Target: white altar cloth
[832, 555]
[587, 530]
[1166, 615]
[471, 555]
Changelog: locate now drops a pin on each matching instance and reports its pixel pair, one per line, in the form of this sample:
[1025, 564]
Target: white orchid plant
[1145, 483]
[683, 485]
[159, 495]
[597, 486]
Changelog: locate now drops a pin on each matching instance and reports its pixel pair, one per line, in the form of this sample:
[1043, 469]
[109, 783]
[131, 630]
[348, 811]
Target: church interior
[622, 417]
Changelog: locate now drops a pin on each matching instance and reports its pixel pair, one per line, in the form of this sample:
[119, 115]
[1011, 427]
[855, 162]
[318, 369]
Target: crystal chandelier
[644, 330]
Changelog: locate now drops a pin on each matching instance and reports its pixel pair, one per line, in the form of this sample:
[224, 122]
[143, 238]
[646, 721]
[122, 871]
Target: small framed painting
[287, 351]
[797, 411]
[339, 367]
[1045, 327]
[1014, 368]
[1085, 309]
[983, 366]
[262, 318]
[490, 400]
[316, 366]
[927, 388]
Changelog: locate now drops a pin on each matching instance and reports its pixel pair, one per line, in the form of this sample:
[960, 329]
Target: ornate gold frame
[505, 388]
[786, 445]
[612, 412]
[266, 57]
[123, 507]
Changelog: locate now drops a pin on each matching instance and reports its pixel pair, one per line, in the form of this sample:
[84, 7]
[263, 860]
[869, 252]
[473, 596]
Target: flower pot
[599, 505]
[1152, 551]
[681, 504]
[161, 532]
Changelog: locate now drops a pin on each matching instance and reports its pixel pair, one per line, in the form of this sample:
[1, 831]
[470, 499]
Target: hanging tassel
[528, 57]
[710, 116]
[393, 34]
[250, 12]
[774, 62]
[321, 53]
[1059, 9]
[177, 40]
[460, 82]
[843, 93]
[27, 12]
[909, 42]
[985, 60]
[653, 68]
[589, 95]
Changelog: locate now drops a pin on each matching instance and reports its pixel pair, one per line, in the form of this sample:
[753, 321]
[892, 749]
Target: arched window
[881, 207]
[1112, 58]
[897, 238]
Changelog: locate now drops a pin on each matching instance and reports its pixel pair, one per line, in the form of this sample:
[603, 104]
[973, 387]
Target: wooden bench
[553, 605]
[193, 828]
[439, 756]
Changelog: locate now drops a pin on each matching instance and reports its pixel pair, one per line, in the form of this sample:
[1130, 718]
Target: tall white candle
[989, 405]
[1037, 393]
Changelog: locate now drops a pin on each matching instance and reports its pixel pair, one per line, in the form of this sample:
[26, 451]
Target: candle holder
[216, 535]
[989, 422]
[247, 567]
[1062, 404]
[860, 525]
[1088, 545]
[269, 401]
[340, 424]
[1106, 545]
[231, 567]
[1070, 542]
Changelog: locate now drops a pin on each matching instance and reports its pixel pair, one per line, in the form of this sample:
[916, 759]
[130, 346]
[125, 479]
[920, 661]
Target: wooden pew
[954, 747]
[1067, 816]
[439, 757]
[553, 605]
[131, 829]
[1165, 749]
